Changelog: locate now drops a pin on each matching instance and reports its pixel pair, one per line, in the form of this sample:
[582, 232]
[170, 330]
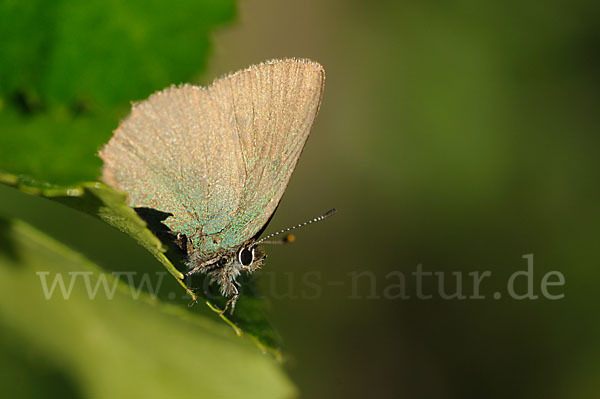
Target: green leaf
[87, 345]
[106, 52]
[68, 70]
[103, 202]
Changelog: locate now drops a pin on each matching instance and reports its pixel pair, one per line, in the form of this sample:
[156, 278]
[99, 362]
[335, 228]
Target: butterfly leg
[182, 242]
[179, 239]
[196, 269]
[233, 300]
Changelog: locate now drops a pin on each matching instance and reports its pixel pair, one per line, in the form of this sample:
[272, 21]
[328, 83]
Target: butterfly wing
[217, 159]
[169, 154]
[274, 106]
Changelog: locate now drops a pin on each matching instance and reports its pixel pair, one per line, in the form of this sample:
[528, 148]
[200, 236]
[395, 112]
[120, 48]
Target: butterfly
[217, 161]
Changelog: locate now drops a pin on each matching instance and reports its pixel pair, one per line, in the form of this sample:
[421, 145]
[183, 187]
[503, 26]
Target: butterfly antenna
[290, 238]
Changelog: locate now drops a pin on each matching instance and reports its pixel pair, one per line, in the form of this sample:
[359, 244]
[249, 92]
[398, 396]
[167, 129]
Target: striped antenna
[330, 212]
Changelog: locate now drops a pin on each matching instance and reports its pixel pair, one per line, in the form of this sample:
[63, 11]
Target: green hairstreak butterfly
[217, 160]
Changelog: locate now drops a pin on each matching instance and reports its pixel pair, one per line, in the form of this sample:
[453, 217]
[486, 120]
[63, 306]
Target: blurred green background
[457, 135]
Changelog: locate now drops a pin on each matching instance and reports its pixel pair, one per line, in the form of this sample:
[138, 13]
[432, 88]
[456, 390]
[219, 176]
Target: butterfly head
[225, 267]
[247, 258]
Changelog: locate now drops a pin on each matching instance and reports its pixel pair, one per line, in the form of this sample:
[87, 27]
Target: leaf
[54, 145]
[107, 204]
[68, 70]
[163, 352]
[107, 52]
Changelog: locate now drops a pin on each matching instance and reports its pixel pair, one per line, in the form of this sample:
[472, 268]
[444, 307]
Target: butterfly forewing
[273, 107]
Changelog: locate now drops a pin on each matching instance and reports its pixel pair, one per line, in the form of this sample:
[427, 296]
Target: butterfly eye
[246, 256]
